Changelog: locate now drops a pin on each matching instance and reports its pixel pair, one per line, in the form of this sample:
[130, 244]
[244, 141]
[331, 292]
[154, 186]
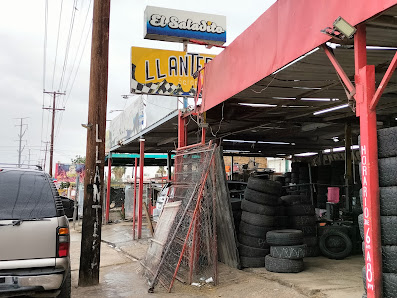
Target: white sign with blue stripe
[179, 26]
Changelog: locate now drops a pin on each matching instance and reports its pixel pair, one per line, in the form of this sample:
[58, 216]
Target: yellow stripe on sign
[154, 66]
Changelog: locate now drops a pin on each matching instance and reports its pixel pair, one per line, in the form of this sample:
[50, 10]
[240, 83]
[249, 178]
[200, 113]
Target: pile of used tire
[301, 216]
[387, 163]
[286, 251]
[304, 179]
[262, 211]
[324, 174]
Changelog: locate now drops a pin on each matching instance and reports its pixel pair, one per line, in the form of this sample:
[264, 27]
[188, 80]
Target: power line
[56, 49]
[74, 79]
[65, 61]
[78, 47]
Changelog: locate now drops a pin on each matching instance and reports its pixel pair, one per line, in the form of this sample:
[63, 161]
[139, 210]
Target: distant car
[34, 236]
[68, 206]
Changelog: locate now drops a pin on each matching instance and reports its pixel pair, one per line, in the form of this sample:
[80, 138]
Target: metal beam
[339, 70]
[384, 82]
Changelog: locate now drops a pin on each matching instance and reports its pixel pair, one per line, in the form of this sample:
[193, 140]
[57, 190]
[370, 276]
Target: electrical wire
[56, 49]
[65, 61]
[74, 79]
[220, 122]
[78, 47]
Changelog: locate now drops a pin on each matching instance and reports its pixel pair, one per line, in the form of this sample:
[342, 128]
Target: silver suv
[34, 236]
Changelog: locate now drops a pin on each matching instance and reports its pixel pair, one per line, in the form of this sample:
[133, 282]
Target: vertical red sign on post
[365, 90]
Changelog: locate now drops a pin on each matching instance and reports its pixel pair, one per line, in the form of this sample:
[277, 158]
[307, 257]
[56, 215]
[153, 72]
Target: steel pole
[140, 199]
[108, 187]
[365, 90]
[134, 208]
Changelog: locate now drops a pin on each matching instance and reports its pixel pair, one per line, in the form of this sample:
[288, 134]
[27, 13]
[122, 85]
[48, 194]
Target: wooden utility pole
[95, 153]
[53, 125]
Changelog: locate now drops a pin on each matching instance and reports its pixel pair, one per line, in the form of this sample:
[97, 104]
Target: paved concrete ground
[120, 274]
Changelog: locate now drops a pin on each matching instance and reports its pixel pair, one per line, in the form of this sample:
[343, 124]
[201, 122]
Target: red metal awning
[285, 32]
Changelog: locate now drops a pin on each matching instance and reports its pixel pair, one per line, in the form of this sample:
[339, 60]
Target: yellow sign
[165, 72]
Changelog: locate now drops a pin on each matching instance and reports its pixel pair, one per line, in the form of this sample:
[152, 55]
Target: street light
[111, 111]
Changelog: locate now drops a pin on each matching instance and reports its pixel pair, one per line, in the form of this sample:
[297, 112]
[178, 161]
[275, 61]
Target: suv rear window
[25, 195]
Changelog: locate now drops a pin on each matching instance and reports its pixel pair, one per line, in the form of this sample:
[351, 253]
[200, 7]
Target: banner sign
[178, 25]
[69, 172]
[165, 72]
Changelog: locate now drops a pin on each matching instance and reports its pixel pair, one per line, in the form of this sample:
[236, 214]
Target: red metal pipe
[134, 207]
[384, 82]
[365, 86]
[182, 131]
[140, 199]
[341, 73]
[108, 188]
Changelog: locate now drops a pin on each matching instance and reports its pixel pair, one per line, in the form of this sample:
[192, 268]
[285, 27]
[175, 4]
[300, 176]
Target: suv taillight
[63, 242]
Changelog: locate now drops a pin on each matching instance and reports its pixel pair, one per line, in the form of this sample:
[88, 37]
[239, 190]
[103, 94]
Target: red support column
[365, 88]
[108, 187]
[134, 207]
[140, 199]
[182, 131]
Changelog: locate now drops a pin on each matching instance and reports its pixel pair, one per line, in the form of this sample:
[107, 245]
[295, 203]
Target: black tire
[387, 226]
[266, 186]
[284, 237]
[387, 140]
[283, 265]
[306, 209]
[248, 251]
[253, 241]
[331, 253]
[254, 231]
[304, 220]
[389, 284]
[251, 262]
[261, 197]
[387, 199]
[292, 252]
[259, 208]
[281, 221]
[312, 251]
[310, 241]
[308, 230]
[292, 200]
[257, 219]
[387, 171]
[66, 288]
[389, 258]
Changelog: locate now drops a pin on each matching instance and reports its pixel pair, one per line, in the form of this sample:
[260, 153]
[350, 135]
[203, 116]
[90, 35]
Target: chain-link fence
[189, 253]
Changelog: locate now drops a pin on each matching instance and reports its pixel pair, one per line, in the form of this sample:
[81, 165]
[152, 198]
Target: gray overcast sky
[21, 65]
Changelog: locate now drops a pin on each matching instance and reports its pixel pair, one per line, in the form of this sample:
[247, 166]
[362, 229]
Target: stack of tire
[324, 174]
[387, 167]
[304, 179]
[301, 216]
[262, 211]
[286, 251]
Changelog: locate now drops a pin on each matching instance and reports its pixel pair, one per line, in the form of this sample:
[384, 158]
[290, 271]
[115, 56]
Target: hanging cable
[65, 61]
[56, 49]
